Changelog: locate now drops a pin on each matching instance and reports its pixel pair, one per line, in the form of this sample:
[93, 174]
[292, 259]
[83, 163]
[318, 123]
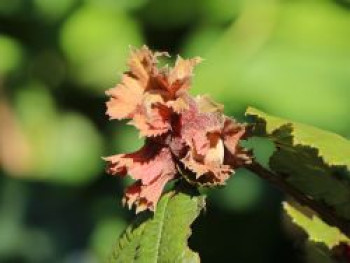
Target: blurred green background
[57, 57]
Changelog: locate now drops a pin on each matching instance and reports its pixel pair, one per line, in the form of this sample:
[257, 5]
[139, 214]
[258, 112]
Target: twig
[326, 213]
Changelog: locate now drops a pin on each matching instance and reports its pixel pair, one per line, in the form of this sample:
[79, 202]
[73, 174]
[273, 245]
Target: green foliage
[103, 237]
[8, 8]
[242, 193]
[13, 199]
[95, 41]
[255, 52]
[317, 253]
[57, 141]
[317, 230]
[292, 49]
[10, 54]
[53, 9]
[314, 161]
[334, 149]
[165, 13]
[161, 237]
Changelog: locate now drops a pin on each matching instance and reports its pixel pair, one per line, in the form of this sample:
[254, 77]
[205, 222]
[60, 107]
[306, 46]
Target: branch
[323, 211]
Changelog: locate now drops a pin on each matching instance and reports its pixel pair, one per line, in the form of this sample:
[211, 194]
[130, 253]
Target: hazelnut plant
[190, 141]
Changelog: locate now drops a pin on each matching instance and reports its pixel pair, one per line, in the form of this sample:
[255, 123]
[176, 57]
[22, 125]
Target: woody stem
[326, 213]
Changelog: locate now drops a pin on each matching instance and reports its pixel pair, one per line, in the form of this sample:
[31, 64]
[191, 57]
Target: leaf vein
[161, 228]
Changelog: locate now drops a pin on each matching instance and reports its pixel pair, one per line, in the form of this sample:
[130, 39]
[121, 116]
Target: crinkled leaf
[195, 135]
[125, 98]
[316, 228]
[162, 236]
[152, 166]
[314, 161]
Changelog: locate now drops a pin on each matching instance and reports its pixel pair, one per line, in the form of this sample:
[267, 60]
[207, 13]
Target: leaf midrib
[161, 228]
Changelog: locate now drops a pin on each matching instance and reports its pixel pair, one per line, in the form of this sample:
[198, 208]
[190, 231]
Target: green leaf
[318, 252]
[316, 228]
[333, 148]
[314, 161]
[162, 236]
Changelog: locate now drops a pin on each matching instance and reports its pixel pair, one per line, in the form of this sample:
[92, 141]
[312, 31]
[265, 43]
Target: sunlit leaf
[161, 237]
[313, 160]
[334, 149]
[317, 230]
